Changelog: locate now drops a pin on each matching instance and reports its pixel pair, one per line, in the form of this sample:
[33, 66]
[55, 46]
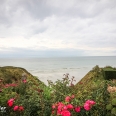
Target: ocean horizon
[53, 68]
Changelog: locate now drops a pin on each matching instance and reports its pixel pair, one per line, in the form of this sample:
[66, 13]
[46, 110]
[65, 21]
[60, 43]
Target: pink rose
[91, 102]
[78, 109]
[10, 102]
[67, 99]
[87, 106]
[70, 106]
[21, 108]
[15, 108]
[60, 107]
[53, 112]
[24, 81]
[65, 113]
[53, 106]
[65, 108]
[72, 96]
[0, 90]
[58, 112]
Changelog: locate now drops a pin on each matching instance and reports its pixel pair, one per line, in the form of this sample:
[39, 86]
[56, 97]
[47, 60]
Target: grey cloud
[75, 22]
[3, 12]
[36, 8]
[21, 52]
[40, 9]
[82, 8]
[37, 31]
[100, 41]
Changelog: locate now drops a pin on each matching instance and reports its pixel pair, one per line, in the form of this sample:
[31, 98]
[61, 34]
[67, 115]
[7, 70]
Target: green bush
[109, 73]
[38, 99]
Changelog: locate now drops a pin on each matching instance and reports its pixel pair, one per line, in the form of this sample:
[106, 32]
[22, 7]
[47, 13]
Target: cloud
[24, 52]
[80, 25]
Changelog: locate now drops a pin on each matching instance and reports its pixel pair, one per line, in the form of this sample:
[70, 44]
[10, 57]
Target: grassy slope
[93, 84]
[92, 79]
[10, 74]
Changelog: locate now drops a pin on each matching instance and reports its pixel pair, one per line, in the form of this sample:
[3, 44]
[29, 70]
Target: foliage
[61, 88]
[25, 95]
[28, 92]
[109, 73]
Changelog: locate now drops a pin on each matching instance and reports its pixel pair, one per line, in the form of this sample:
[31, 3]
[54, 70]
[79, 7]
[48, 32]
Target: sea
[54, 68]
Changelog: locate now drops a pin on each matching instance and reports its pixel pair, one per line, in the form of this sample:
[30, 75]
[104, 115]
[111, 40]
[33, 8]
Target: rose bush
[62, 98]
[68, 109]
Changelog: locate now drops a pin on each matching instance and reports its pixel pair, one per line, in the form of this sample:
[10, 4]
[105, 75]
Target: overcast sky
[57, 28]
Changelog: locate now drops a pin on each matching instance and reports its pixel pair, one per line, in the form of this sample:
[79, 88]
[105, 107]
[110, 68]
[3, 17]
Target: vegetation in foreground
[22, 94]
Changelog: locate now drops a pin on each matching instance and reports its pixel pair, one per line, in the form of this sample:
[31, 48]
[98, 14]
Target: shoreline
[54, 68]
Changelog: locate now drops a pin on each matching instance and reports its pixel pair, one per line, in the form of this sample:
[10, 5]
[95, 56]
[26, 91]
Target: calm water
[54, 68]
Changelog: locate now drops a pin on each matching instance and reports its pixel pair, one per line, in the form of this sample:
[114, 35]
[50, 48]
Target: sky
[46, 28]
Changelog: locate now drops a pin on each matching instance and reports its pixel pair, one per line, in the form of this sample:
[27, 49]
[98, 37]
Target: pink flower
[70, 106]
[0, 90]
[67, 99]
[87, 106]
[15, 108]
[21, 108]
[24, 81]
[10, 102]
[7, 85]
[78, 109]
[53, 106]
[91, 102]
[65, 113]
[65, 108]
[60, 107]
[58, 112]
[72, 96]
[53, 112]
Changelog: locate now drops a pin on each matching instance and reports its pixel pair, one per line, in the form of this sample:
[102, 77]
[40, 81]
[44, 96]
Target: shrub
[29, 97]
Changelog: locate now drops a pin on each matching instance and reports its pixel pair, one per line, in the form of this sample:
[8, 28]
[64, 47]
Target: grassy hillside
[95, 77]
[10, 74]
[91, 80]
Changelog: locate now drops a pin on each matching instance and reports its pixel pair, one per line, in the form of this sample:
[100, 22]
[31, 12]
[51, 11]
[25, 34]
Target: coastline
[54, 68]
